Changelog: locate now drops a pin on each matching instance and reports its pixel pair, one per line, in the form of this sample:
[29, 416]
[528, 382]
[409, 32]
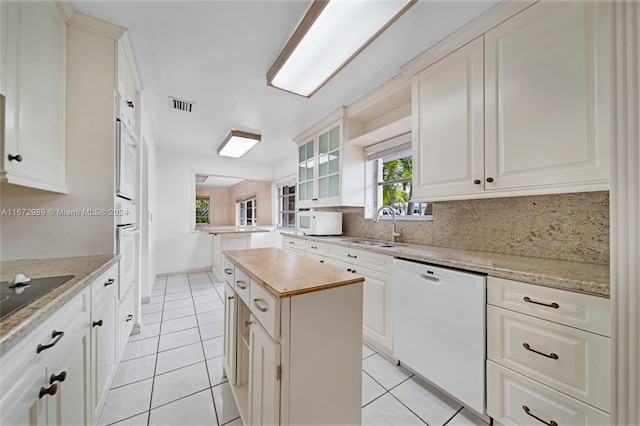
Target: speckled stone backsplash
[572, 227]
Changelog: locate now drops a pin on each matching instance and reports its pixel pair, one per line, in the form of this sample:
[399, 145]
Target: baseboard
[188, 271]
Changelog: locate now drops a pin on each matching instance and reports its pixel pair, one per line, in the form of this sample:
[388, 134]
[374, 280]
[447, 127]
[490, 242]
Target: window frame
[208, 199]
[254, 209]
[280, 212]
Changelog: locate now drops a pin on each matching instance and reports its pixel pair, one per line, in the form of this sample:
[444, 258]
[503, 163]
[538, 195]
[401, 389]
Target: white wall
[178, 247]
[90, 165]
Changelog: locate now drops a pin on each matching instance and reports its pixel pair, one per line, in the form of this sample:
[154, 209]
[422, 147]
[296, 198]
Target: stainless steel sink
[372, 243]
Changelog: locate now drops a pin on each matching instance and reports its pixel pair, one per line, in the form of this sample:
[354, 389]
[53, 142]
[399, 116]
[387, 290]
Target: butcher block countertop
[285, 274]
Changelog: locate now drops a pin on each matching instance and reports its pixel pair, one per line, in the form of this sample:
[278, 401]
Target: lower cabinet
[283, 356]
[264, 383]
[46, 376]
[222, 242]
[104, 342]
[126, 312]
[548, 355]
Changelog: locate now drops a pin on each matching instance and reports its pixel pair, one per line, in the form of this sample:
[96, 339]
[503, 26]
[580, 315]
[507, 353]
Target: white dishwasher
[439, 328]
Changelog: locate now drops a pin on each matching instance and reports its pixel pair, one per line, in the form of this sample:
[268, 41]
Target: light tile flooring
[171, 372]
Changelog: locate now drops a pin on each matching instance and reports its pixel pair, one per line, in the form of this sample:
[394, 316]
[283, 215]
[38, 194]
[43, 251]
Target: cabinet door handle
[313, 247]
[260, 308]
[477, 181]
[97, 323]
[549, 423]
[348, 269]
[57, 335]
[17, 158]
[129, 318]
[229, 297]
[322, 261]
[130, 104]
[551, 355]
[553, 305]
[353, 271]
[352, 256]
[109, 282]
[51, 390]
[242, 284]
[247, 323]
[228, 271]
[314, 199]
[291, 242]
[58, 378]
[489, 179]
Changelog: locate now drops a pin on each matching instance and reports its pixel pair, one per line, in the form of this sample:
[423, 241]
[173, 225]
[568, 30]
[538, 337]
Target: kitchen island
[292, 339]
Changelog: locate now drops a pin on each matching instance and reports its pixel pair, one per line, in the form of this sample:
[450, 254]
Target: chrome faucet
[394, 234]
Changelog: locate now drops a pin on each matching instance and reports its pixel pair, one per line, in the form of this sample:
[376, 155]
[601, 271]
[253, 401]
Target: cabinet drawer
[266, 308]
[315, 248]
[126, 312]
[583, 311]
[572, 361]
[511, 395]
[293, 243]
[316, 257]
[105, 285]
[228, 269]
[377, 261]
[242, 285]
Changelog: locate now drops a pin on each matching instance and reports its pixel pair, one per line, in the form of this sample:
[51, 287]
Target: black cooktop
[14, 297]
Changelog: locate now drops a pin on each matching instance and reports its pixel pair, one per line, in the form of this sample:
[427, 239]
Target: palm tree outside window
[394, 174]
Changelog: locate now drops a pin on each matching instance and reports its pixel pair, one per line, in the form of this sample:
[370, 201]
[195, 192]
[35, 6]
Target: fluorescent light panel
[329, 36]
[237, 143]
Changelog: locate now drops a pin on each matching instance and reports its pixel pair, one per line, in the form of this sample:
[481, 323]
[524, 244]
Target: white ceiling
[217, 54]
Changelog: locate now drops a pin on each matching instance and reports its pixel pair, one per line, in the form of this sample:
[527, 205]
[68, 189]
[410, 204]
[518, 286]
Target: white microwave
[312, 222]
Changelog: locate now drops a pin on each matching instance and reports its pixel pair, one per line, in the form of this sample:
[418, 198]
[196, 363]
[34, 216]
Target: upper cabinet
[522, 110]
[32, 79]
[128, 84]
[330, 173]
[448, 133]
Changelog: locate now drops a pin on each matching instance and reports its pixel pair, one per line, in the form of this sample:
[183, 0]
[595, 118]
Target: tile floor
[171, 372]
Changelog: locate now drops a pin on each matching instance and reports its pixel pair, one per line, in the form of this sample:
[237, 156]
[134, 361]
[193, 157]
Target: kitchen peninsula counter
[574, 276]
[215, 230]
[85, 269]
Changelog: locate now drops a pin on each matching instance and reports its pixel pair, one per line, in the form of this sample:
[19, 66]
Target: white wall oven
[126, 157]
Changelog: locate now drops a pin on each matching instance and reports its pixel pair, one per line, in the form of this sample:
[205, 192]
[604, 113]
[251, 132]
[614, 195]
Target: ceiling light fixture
[329, 36]
[237, 143]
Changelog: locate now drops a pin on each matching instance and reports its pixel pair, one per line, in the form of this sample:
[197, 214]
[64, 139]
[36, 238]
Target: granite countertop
[215, 230]
[85, 269]
[286, 274]
[575, 276]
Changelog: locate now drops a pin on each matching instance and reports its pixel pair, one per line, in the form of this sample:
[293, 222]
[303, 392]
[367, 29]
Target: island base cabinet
[264, 385]
[303, 357]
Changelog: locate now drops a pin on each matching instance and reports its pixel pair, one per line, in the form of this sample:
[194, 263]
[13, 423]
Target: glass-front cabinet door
[319, 168]
[306, 168]
[329, 163]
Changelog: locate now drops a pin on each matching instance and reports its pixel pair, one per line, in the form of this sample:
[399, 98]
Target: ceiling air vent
[181, 104]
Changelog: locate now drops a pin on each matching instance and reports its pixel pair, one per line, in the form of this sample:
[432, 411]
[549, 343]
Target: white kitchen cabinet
[126, 313]
[285, 364]
[542, 355]
[104, 337]
[46, 376]
[547, 97]
[227, 241]
[33, 80]
[448, 128]
[330, 172]
[229, 341]
[543, 124]
[264, 380]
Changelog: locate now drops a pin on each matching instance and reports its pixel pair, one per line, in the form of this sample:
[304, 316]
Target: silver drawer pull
[228, 271]
[549, 423]
[553, 305]
[242, 284]
[261, 308]
[528, 347]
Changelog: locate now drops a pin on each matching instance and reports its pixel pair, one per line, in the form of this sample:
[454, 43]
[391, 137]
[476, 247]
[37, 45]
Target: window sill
[406, 218]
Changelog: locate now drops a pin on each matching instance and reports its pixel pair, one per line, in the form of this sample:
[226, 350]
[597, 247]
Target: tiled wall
[571, 227]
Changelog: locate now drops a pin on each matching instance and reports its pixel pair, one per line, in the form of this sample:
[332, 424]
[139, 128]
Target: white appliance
[126, 158]
[439, 328]
[311, 222]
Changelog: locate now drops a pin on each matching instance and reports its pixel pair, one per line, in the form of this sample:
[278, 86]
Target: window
[393, 173]
[287, 205]
[247, 212]
[202, 209]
